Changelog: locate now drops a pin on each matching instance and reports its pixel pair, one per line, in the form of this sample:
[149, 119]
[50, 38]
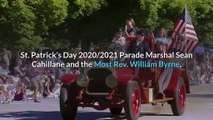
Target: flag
[184, 37]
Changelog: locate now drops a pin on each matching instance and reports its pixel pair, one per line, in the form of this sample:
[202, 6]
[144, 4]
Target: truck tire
[68, 104]
[132, 101]
[178, 103]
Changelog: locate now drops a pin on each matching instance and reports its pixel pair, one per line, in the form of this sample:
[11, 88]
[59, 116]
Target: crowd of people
[19, 81]
[201, 68]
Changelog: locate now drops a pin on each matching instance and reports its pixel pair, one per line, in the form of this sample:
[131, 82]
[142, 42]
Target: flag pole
[185, 17]
[186, 60]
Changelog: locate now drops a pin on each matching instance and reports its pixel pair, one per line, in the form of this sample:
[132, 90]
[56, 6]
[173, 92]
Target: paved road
[199, 107]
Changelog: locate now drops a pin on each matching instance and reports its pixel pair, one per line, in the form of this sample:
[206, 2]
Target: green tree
[96, 20]
[64, 23]
[23, 23]
[74, 28]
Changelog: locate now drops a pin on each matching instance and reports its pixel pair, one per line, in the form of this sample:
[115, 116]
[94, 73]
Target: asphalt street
[199, 107]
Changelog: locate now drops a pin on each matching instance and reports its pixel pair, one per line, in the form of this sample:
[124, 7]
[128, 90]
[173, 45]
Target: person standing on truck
[130, 30]
[140, 45]
[162, 40]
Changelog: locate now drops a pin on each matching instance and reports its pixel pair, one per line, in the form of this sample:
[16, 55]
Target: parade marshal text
[96, 55]
[87, 59]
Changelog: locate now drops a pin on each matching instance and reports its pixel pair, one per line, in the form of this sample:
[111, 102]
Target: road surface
[199, 107]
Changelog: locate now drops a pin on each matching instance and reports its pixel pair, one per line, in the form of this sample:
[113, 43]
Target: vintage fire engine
[118, 88]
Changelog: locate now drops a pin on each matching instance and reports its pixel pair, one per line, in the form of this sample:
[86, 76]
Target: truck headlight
[111, 81]
[82, 81]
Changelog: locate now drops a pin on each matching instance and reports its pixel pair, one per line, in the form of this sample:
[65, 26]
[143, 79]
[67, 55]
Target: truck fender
[69, 78]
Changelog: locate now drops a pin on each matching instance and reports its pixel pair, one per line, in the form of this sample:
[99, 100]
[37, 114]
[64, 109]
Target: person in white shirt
[119, 39]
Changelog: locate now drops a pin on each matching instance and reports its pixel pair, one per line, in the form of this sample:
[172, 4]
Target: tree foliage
[24, 22]
[152, 14]
[82, 8]
[65, 23]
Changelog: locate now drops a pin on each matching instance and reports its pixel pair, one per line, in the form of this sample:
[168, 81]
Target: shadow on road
[55, 115]
[201, 95]
[32, 115]
[155, 114]
[97, 116]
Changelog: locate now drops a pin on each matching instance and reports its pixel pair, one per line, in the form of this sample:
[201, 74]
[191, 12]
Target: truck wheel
[132, 101]
[115, 111]
[178, 104]
[68, 104]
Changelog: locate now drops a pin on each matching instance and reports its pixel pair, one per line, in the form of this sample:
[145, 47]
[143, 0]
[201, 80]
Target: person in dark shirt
[141, 45]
